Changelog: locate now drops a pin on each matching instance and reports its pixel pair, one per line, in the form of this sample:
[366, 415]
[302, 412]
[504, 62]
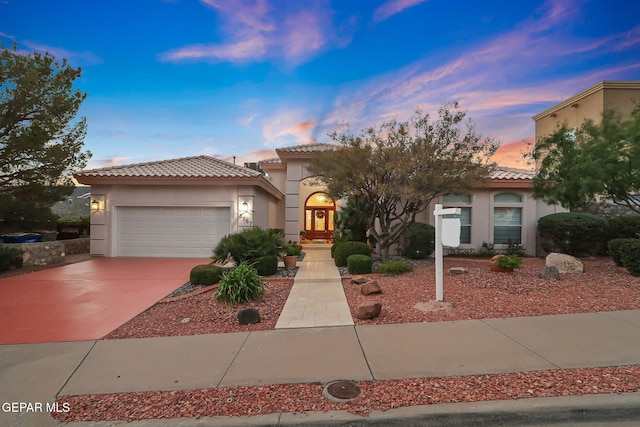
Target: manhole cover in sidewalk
[342, 391]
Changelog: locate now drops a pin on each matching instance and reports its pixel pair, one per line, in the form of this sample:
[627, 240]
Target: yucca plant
[240, 285]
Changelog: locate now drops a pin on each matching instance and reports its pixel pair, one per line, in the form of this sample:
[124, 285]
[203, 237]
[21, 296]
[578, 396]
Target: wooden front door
[319, 210]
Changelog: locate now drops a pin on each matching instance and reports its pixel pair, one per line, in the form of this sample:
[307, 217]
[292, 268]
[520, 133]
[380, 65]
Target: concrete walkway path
[317, 298]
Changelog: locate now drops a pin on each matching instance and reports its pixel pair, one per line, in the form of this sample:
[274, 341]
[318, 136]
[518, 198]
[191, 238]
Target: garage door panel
[170, 231]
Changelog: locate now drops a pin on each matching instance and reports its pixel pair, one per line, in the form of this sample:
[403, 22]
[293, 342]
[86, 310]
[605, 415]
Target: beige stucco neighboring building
[622, 96]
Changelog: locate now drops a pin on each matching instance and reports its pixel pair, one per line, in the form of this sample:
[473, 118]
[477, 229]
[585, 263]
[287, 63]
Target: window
[459, 201]
[507, 219]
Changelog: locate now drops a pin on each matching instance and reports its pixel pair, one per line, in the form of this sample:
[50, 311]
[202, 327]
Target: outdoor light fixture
[244, 207]
[95, 205]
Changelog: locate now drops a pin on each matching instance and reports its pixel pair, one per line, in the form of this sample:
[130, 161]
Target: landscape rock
[359, 280]
[454, 271]
[368, 311]
[371, 287]
[564, 263]
[549, 273]
[248, 316]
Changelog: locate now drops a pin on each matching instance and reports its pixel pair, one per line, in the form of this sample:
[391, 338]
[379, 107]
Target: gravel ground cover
[376, 395]
[479, 293]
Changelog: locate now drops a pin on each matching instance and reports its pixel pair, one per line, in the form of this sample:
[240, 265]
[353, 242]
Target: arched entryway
[318, 216]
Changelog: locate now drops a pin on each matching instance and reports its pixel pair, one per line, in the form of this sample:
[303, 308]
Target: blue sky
[177, 78]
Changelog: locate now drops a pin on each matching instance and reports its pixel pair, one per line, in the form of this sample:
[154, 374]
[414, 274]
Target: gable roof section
[197, 170]
[504, 177]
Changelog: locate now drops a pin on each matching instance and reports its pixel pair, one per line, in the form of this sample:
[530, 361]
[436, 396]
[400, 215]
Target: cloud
[255, 31]
[510, 154]
[251, 156]
[286, 127]
[84, 57]
[393, 7]
[501, 81]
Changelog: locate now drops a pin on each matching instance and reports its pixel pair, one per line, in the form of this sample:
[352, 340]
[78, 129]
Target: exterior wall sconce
[244, 208]
[95, 206]
[245, 213]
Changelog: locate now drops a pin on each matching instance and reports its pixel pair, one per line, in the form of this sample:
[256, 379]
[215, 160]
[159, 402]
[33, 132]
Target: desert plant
[248, 245]
[614, 249]
[630, 255]
[508, 261]
[266, 265]
[573, 233]
[393, 268]
[344, 250]
[417, 242]
[205, 274]
[624, 227]
[359, 264]
[240, 285]
[10, 258]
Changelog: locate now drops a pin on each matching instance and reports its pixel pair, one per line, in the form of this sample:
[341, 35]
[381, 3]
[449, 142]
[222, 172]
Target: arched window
[319, 209]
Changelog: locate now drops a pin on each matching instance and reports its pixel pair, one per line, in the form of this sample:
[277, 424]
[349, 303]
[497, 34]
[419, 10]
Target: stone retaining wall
[45, 253]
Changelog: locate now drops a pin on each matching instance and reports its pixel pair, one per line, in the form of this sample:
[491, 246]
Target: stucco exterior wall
[111, 197]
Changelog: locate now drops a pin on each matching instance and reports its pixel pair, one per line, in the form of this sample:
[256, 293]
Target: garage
[170, 231]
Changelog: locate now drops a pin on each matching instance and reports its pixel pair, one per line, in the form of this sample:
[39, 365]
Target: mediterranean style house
[183, 207]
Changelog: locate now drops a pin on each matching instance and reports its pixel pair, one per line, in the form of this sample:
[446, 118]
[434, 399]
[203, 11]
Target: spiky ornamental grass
[240, 285]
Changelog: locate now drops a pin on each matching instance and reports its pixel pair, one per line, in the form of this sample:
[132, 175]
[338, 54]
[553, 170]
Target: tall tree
[400, 167]
[40, 140]
[579, 166]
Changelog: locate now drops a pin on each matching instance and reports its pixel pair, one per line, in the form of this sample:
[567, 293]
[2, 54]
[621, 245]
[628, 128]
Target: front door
[318, 222]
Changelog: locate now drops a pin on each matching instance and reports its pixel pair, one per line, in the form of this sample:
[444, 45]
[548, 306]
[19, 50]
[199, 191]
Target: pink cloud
[510, 154]
[393, 7]
[254, 30]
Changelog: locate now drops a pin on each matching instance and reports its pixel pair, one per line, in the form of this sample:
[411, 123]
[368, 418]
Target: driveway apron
[87, 300]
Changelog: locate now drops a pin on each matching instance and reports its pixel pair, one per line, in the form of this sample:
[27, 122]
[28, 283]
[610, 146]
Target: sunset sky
[177, 78]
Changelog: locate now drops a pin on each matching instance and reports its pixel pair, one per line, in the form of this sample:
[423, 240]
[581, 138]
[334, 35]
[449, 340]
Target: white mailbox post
[447, 234]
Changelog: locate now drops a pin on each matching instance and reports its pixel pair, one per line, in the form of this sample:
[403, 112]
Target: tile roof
[187, 167]
[512, 173]
[307, 148]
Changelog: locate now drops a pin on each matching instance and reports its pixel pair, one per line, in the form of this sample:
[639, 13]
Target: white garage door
[170, 231]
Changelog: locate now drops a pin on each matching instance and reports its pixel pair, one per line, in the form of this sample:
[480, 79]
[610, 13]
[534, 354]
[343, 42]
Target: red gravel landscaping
[376, 395]
[481, 293]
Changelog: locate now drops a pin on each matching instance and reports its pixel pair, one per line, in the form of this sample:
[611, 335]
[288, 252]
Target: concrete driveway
[87, 300]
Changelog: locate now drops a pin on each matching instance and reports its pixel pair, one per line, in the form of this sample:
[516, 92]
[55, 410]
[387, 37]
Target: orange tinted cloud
[510, 154]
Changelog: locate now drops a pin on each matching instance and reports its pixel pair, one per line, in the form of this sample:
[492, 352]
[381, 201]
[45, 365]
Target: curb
[603, 408]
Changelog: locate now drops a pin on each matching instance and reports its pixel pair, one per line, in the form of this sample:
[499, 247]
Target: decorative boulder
[564, 263]
[358, 280]
[371, 287]
[368, 311]
[454, 271]
[549, 273]
[248, 316]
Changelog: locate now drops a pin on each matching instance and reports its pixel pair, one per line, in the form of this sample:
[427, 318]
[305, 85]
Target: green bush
[335, 244]
[10, 258]
[293, 249]
[573, 233]
[630, 255]
[614, 249]
[249, 245]
[393, 268]
[417, 241]
[205, 274]
[266, 265]
[359, 264]
[240, 285]
[344, 250]
[624, 227]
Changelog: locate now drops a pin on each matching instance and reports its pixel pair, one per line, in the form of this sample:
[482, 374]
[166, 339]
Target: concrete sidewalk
[40, 372]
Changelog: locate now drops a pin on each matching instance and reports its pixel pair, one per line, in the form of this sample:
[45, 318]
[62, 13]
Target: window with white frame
[460, 201]
[507, 218]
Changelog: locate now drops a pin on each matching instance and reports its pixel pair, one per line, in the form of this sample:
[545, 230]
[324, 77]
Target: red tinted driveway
[87, 300]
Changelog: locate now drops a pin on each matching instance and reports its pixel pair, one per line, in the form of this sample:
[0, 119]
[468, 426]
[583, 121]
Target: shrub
[614, 249]
[266, 265]
[508, 261]
[335, 244]
[10, 258]
[630, 255]
[393, 268]
[487, 250]
[248, 245]
[417, 241]
[344, 250]
[573, 233]
[293, 249]
[242, 284]
[359, 264]
[205, 274]
[624, 227]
